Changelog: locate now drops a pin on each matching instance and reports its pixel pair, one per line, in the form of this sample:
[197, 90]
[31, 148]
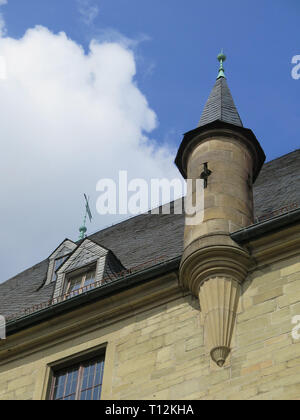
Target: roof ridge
[282, 157]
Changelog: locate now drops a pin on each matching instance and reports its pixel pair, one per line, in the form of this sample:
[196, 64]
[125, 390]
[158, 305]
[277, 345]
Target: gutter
[256, 231]
[85, 298]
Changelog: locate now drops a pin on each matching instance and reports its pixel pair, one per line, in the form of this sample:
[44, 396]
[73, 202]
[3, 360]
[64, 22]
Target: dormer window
[89, 266]
[77, 284]
[57, 263]
[57, 258]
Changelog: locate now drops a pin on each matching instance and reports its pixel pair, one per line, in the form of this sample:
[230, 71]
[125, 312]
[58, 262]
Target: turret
[228, 157]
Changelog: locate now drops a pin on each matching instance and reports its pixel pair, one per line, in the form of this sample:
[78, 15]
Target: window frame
[81, 364]
[82, 273]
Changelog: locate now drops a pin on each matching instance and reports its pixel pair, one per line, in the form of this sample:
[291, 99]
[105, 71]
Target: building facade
[158, 308]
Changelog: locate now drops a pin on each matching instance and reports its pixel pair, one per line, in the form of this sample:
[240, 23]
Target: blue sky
[74, 112]
[176, 56]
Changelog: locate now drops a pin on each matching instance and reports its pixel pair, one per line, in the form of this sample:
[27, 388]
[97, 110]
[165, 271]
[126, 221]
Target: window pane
[99, 373]
[59, 386]
[85, 378]
[74, 284]
[88, 396]
[70, 385]
[97, 393]
[91, 376]
[65, 384]
[92, 380]
[71, 382]
[57, 263]
[74, 381]
[88, 376]
[90, 278]
[77, 284]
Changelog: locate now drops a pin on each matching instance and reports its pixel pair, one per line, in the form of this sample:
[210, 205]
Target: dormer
[90, 265]
[58, 257]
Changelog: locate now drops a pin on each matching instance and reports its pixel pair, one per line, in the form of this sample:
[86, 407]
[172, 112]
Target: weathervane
[83, 228]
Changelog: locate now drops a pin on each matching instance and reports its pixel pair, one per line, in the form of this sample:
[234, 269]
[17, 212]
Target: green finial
[221, 58]
[83, 228]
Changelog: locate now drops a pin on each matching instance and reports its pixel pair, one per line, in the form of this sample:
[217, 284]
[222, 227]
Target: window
[80, 382]
[76, 284]
[57, 263]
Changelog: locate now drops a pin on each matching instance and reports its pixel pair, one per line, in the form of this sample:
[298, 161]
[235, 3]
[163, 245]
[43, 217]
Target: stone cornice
[275, 246]
[258, 230]
[103, 312]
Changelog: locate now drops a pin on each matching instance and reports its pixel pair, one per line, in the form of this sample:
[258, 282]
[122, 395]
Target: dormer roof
[89, 253]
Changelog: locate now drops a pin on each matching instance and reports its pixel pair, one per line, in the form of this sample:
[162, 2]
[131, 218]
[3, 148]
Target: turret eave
[193, 138]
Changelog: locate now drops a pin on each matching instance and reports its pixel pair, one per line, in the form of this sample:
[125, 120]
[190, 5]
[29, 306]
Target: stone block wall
[160, 352]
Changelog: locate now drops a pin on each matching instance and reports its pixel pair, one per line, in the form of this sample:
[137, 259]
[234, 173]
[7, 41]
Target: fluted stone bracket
[215, 274]
[219, 297]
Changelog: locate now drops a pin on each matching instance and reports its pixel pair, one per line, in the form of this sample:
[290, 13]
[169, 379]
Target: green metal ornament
[221, 57]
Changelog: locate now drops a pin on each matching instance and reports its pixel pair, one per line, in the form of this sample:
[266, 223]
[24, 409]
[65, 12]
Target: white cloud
[88, 11]
[114, 36]
[67, 119]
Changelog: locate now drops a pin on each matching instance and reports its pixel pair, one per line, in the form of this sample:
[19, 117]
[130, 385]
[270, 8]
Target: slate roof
[278, 184]
[220, 106]
[112, 267]
[146, 237]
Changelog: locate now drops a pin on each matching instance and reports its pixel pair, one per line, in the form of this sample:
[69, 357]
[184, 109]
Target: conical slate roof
[220, 106]
[219, 113]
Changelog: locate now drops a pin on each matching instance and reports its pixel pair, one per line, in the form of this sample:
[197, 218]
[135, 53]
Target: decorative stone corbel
[215, 274]
[219, 297]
